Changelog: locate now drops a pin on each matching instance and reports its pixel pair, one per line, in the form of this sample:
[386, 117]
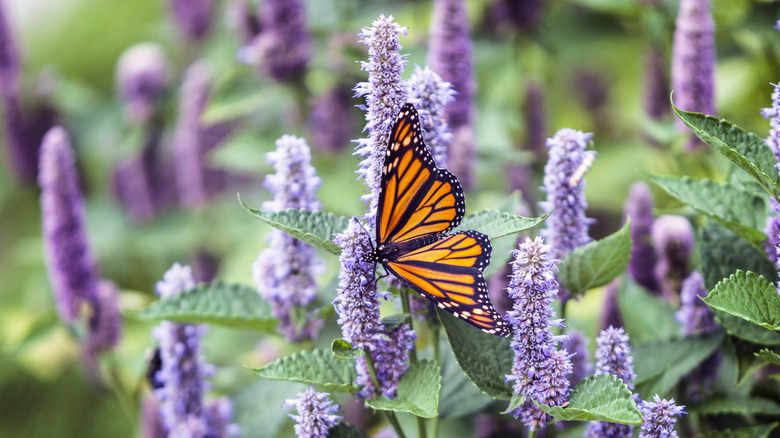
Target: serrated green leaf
[231, 305]
[315, 367]
[345, 430]
[664, 362]
[769, 356]
[459, 397]
[313, 227]
[733, 206]
[722, 254]
[257, 407]
[745, 149]
[646, 317]
[736, 405]
[745, 432]
[746, 330]
[748, 296]
[342, 349]
[418, 391]
[496, 224]
[596, 263]
[598, 398]
[515, 402]
[486, 359]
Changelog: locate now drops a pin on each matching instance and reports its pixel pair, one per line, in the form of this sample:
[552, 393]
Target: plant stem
[390, 414]
[531, 433]
[394, 422]
[404, 291]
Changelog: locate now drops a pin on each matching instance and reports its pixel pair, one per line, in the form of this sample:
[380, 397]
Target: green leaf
[736, 405]
[598, 398]
[733, 206]
[257, 407]
[459, 397]
[515, 402]
[746, 330]
[393, 321]
[663, 363]
[747, 361]
[596, 263]
[316, 367]
[745, 432]
[418, 391]
[342, 349]
[313, 227]
[748, 296]
[231, 305]
[769, 356]
[497, 224]
[646, 317]
[722, 254]
[745, 149]
[345, 430]
[486, 359]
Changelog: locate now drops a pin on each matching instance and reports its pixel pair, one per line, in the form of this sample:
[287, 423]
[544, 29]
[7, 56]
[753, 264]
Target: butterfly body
[419, 204]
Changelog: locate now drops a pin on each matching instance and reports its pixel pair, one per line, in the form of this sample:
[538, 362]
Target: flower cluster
[390, 359]
[576, 343]
[142, 76]
[567, 226]
[639, 208]
[613, 356]
[283, 47]
[673, 242]
[659, 418]
[193, 17]
[330, 120]
[540, 370]
[773, 141]
[316, 413]
[385, 93]
[284, 272]
[693, 61]
[180, 380]
[432, 95]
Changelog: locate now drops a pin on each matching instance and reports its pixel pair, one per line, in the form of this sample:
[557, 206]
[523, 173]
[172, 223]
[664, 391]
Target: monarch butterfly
[418, 204]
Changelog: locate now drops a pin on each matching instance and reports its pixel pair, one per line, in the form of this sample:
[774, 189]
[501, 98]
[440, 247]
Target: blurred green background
[72, 47]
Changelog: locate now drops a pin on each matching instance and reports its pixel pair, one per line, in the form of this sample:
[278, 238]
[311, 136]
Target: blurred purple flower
[524, 15]
[610, 313]
[285, 270]
[673, 241]
[151, 422]
[450, 55]
[657, 91]
[577, 344]
[193, 17]
[330, 120]
[639, 207]
[70, 263]
[105, 323]
[244, 20]
[540, 370]
[592, 87]
[613, 356]
[390, 362]
[182, 373]
[131, 184]
[283, 47]
[142, 78]
[219, 417]
[567, 226]
[659, 418]
[385, 93]
[357, 303]
[432, 95]
[696, 318]
[535, 118]
[187, 142]
[693, 62]
[316, 413]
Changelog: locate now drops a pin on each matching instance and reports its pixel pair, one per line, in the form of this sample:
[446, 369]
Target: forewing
[416, 198]
[449, 273]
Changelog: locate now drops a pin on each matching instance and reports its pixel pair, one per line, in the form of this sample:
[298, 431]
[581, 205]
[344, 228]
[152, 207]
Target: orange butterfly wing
[449, 273]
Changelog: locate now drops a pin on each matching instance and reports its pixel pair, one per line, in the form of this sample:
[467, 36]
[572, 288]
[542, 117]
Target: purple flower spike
[673, 241]
[71, 265]
[610, 314]
[567, 227]
[385, 93]
[390, 362]
[535, 117]
[693, 62]
[283, 47]
[142, 79]
[613, 356]
[193, 17]
[577, 344]
[330, 121]
[357, 303]
[450, 55]
[285, 271]
[772, 246]
[639, 207]
[187, 142]
[540, 370]
[243, 20]
[105, 324]
[433, 95]
[181, 378]
[659, 418]
[316, 413]
[657, 91]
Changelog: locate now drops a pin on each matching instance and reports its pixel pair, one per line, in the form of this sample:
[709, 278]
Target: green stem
[404, 291]
[394, 422]
[390, 414]
[436, 335]
[531, 433]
